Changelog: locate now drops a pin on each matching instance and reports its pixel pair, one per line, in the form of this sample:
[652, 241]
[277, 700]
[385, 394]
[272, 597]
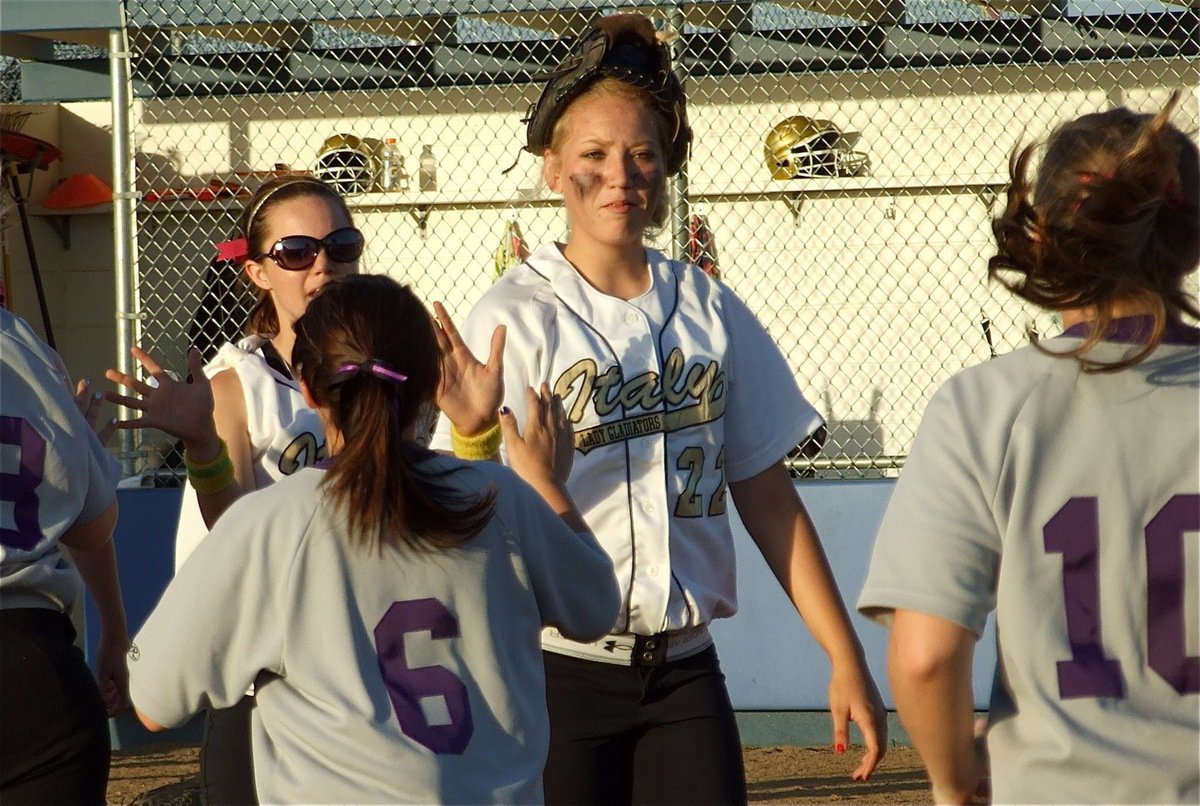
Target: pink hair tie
[374, 366]
[236, 250]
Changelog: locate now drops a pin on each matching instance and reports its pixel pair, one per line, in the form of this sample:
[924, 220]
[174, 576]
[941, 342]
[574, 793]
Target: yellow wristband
[483, 445]
[211, 476]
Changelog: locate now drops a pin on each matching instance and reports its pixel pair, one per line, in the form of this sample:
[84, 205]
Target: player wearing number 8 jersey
[387, 608]
[57, 491]
[1060, 486]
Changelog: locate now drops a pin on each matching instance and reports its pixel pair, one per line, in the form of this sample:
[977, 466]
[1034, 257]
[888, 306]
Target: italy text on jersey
[695, 394]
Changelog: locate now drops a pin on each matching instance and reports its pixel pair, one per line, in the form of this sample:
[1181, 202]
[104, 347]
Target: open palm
[183, 410]
[470, 392]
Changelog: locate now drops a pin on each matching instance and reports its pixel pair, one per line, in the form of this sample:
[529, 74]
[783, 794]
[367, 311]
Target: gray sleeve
[104, 471]
[219, 623]
[938, 547]
[571, 576]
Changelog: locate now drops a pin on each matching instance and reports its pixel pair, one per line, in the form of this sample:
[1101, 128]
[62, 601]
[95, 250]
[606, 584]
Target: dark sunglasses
[298, 252]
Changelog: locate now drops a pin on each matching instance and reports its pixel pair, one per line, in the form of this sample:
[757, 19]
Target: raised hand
[546, 450]
[89, 404]
[183, 410]
[542, 456]
[470, 392]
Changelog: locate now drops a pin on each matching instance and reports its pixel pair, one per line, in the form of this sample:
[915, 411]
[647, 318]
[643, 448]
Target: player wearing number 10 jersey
[1060, 486]
[388, 608]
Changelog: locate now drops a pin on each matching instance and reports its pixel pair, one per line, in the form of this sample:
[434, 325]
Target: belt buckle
[650, 650]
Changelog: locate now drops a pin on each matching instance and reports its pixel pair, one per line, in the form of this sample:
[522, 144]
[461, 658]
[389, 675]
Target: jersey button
[631, 318]
[654, 570]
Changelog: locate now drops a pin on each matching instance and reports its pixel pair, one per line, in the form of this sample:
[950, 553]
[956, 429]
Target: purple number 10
[1074, 532]
[406, 686]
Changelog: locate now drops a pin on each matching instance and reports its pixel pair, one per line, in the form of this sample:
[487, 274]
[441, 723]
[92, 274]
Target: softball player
[388, 608]
[57, 488]
[677, 396]
[298, 236]
[1060, 486]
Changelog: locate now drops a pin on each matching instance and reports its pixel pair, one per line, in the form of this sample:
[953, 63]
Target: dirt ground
[168, 775]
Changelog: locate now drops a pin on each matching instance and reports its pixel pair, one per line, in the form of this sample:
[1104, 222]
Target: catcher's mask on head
[621, 46]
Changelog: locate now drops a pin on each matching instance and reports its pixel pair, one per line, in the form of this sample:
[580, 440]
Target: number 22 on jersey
[1074, 532]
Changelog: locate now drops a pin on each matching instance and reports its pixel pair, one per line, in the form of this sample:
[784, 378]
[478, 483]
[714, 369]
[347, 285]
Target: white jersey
[285, 434]
[389, 676]
[673, 395]
[1070, 503]
[54, 472]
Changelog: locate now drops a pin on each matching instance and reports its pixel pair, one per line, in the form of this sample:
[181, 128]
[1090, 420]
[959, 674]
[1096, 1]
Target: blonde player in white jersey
[676, 395]
[58, 489]
[1060, 486]
[297, 235]
[388, 607]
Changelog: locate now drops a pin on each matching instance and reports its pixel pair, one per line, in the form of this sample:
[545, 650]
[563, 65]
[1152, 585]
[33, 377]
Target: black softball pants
[226, 758]
[54, 740]
[641, 734]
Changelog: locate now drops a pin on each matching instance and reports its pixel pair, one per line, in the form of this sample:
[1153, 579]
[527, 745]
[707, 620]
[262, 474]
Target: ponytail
[366, 350]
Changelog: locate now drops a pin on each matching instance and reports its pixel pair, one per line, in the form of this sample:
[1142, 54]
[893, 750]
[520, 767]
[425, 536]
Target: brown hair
[264, 319]
[377, 478]
[630, 92]
[1111, 216]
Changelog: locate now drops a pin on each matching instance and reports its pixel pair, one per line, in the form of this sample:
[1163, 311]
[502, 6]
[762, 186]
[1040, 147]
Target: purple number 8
[20, 488]
[406, 686]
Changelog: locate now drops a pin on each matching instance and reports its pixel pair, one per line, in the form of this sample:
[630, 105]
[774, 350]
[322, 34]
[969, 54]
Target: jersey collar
[1136, 329]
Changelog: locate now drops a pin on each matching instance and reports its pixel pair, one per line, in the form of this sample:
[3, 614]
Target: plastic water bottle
[427, 173]
[387, 165]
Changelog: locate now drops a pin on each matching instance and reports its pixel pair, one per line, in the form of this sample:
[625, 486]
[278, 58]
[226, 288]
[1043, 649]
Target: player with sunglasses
[297, 236]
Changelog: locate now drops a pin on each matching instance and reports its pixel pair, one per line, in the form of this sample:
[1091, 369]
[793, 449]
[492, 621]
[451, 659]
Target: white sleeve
[219, 623]
[767, 415]
[938, 547]
[525, 350]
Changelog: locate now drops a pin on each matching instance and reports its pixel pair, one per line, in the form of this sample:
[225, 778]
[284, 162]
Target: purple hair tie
[374, 366]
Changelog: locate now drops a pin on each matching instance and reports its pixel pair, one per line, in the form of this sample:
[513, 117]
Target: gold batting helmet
[347, 163]
[801, 146]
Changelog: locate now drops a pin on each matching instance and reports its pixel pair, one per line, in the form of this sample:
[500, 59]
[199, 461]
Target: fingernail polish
[839, 747]
[98, 396]
[504, 410]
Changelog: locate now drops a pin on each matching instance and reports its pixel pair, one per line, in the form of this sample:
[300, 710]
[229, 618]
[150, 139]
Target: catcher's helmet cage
[621, 46]
[346, 163]
[801, 146]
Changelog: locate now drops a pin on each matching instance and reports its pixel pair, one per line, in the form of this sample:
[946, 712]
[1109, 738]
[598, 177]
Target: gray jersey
[394, 676]
[53, 471]
[1070, 503]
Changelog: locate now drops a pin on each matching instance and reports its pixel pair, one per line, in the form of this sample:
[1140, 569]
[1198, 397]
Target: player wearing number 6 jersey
[387, 608]
[677, 395]
[1060, 486]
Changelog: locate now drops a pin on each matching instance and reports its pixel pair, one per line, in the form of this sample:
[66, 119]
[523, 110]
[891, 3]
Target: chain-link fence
[849, 155]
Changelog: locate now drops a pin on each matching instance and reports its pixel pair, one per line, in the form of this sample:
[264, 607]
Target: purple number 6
[1074, 532]
[406, 686]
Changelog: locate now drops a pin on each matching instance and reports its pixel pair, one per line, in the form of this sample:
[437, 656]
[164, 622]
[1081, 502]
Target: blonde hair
[616, 88]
